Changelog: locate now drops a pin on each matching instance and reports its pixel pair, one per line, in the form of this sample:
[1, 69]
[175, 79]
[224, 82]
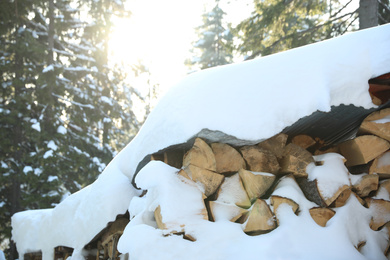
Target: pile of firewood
[243, 180]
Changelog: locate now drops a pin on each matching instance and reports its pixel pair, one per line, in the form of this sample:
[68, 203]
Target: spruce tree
[214, 45]
[64, 111]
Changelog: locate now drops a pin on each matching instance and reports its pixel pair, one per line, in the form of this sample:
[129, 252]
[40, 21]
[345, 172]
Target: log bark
[363, 149]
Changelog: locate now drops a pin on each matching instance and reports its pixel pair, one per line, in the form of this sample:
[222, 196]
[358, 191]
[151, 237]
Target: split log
[366, 184]
[363, 149]
[316, 195]
[342, 198]
[276, 201]
[200, 155]
[227, 158]
[333, 149]
[232, 191]
[260, 219]
[321, 215]
[173, 158]
[256, 184]
[275, 144]
[360, 245]
[295, 160]
[377, 123]
[208, 180]
[223, 211]
[259, 159]
[380, 212]
[304, 141]
[384, 190]
[381, 166]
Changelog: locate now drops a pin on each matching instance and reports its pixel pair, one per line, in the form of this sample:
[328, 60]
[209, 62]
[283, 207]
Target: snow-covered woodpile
[250, 184]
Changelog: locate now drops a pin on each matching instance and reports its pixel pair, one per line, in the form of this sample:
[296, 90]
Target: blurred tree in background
[64, 110]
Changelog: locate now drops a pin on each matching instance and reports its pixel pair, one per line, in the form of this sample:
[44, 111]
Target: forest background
[70, 99]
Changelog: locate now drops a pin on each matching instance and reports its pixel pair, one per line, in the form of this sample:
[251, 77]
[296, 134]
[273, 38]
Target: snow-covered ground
[248, 102]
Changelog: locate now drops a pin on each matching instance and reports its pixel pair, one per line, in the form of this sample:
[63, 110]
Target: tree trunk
[368, 13]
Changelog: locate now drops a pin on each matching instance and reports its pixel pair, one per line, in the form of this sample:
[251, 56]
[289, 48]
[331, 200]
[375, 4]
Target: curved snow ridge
[257, 99]
[77, 219]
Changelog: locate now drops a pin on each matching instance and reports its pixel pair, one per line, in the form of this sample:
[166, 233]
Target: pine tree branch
[384, 5]
[315, 28]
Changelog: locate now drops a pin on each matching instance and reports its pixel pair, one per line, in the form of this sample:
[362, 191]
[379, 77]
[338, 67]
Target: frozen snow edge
[257, 99]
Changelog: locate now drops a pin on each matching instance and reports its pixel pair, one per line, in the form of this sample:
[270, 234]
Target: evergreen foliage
[64, 112]
[214, 45]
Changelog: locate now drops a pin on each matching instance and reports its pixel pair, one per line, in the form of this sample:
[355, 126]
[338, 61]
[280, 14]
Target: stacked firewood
[244, 181]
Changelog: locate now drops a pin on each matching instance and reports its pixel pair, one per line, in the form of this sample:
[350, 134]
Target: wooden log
[333, 149]
[232, 191]
[275, 144]
[295, 160]
[200, 155]
[321, 215]
[209, 181]
[304, 141]
[366, 184]
[363, 149]
[260, 160]
[384, 186]
[342, 198]
[256, 184]
[377, 123]
[223, 211]
[381, 166]
[260, 219]
[227, 158]
[173, 157]
[316, 195]
[380, 210]
[276, 201]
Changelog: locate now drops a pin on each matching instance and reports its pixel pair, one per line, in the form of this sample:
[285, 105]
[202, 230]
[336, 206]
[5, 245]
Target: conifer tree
[64, 112]
[214, 45]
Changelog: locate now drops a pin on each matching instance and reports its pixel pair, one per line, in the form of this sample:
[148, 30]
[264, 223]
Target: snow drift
[242, 103]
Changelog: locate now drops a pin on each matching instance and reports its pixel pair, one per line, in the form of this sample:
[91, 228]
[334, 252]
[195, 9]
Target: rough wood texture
[260, 160]
[276, 201]
[158, 217]
[321, 215]
[377, 123]
[200, 155]
[380, 212]
[209, 180]
[363, 149]
[275, 144]
[366, 184]
[227, 158]
[256, 184]
[295, 160]
[342, 197]
[304, 141]
[260, 219]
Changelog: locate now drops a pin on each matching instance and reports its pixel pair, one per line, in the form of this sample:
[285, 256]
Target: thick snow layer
[77, 219]
[250, 101]
[296, 237]
[257, 99]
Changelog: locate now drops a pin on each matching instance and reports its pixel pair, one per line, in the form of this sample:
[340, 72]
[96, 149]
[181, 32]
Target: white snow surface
[251, 101]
